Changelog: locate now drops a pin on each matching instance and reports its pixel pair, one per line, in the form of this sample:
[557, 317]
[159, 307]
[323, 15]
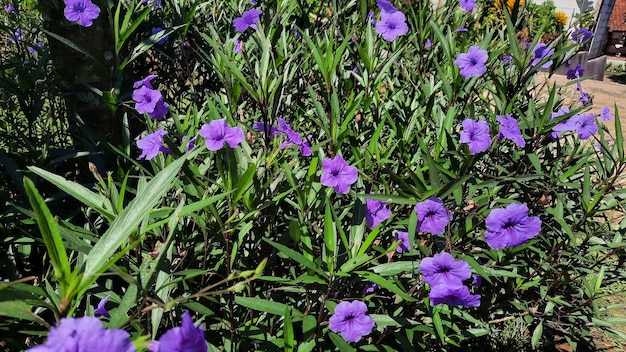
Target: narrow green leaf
[299, 258]
[288, 333]
[264, 305]
[537, 334]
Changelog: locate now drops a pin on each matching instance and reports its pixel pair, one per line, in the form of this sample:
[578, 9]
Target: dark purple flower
[472, 63]
[386, 6]
[184, 338]
[293, 137]
[101, 310]
[338, 174]
[156, 30]
[376, 212]
[584, 98]
[370, 288]
[152, 144]
[156, 4]
[509, 129]
[392, 25]
[540, 52]
[190, 144]
[453, 295]
[460, 29]
[85, 334]
[9, 8]
[511, 226]
[476, 135]
[33, 49]
[428, 43]
[253, 2]
[351, 321]
[442, 269]
[605, 113]
[145, 82]
[265, 128]
[432, 216]
[249, 19]
[82, 12]
[405, 243]
[477, 280]
[146, 99]
[468, 5]
[576, 72]
[217, 133]
[581, 35]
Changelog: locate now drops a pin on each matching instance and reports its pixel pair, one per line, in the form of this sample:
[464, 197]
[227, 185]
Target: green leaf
[288, 333]
[299, 258]
[263, 305]
[537, 334]
[381, 281]
[340, 343]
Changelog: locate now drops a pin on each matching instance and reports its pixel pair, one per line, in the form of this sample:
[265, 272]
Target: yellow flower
[561, 18]
[510, 4]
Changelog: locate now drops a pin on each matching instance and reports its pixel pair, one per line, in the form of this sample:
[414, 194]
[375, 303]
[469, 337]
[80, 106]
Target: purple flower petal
[101, 310]
[432, 216]
[217, 133]
[392, 25]
[338, 174]
[82, 12]
[248, 19]
[476, 135]
[509, 129]
[472, 63]
[511, 226]
[351, 321]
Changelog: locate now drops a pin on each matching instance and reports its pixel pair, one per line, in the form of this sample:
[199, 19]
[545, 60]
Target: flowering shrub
[343, 184]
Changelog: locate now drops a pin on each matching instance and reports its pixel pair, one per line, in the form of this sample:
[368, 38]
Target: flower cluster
[149, 100]
[583, 124]
[351, 321]
[83, 12]
[392, 22]
[445, 275]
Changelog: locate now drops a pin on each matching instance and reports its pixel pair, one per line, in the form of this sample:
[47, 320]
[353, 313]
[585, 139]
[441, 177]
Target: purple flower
[186, 337]
[190, 144]
[477, 280]
[101, 310]
[575, 72]
[9, 8]
[468, 5]
[453, 295]
[460, 29]
[236, 46]
[249, 19]
[584, 98]
[293, 137]
[472, 63]
[253, 2]
[152, 144]
[428, 43]
[145, 82]
[156, 4]
[511, 226]
[370, 288]
[509, 129]
[85, 334]
[370, 18]
[81, 11]
[160, 110]
[338, 174]
[146, 99]
[386, 6]
[405, 243]
[562, 111]
[392, 25]
[16, 36]
[541, 51]
[350, 319]
[442, 269]
[584, 124]
[265, 128]
[35, 47]
[432, 216]
[217, 133]
[581, 35]
[605, 113]
[156, 30]
[376, 212]
[476, 135]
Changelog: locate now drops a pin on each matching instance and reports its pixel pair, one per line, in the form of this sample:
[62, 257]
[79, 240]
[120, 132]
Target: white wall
[571, 7]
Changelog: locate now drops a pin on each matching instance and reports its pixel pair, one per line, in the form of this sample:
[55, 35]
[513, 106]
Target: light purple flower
[338, 174]
[442, 269]
[236, 46]
[146, 99]
[468, 5]
[453, 295]
[476, 135]
[152, 144]
[371, 19]
[248, 19]
[584, 98]
[351, 321]
[540, 52]
[562, 111]
[259, 126]
[460, 29]
[581, 35]
[9, 8]
[186, 337]
[428, 43]
[575, 72]
[510, 129]
[145, 82]
[585, 125]
[293, 137]
[217, 133]
[392, 25]
[605, 113]
[376, 212]
[82, 12]
[511, 226]
[472, 63]
[100, 310]
[85, 334]
[432, 216]
[386, 6]
[405, 243]
[156, 30]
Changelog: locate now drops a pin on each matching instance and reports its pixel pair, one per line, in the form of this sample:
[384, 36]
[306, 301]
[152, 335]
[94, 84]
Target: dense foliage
[302, 176]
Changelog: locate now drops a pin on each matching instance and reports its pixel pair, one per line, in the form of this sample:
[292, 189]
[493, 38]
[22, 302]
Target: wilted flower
[100, 310]
[453, 295]
[432, 216]
[392, 25]
[442, 269]
[351, 321]
[540, 52]
[217, 133]
[605, 113]
[584, 98]
[581, 35]
[468, 5]
[85, 334]
[375, 212]
[510, 129]
[82, 12]
[472, 63]
[145, 82]
[293, 137]
[248, 19]
[338, 174]
[405, 243]
[576, 72]
[511, 226]
[186, 337]
[476, 135]
[152, 144]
